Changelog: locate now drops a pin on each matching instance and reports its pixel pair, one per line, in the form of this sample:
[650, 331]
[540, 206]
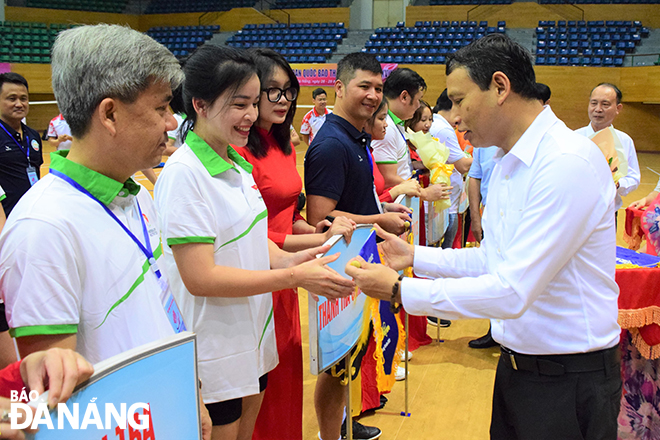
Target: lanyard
[171, 308]
[401, 133]
[27, 150]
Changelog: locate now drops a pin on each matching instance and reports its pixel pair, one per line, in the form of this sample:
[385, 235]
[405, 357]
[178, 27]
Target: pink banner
[326, 74]
[5, 67]
[315, 74]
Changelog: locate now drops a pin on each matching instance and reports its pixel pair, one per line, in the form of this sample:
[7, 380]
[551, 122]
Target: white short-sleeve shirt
[445, 133]
[57, 127]
[393, 149]
[312, 123]
[66, 267]
[176, 133]
[630, 181]
[203, 199]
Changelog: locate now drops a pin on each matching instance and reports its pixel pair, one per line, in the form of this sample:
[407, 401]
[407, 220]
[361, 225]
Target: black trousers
[572, 406]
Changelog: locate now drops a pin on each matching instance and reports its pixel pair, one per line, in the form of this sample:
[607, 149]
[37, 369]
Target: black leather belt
[558, 364]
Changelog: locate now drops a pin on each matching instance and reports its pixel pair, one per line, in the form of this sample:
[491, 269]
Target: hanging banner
[310, 75]
[335, 326]
[315, 74]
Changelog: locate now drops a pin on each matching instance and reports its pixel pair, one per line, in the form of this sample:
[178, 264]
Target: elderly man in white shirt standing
[604, 106]
[547, 285]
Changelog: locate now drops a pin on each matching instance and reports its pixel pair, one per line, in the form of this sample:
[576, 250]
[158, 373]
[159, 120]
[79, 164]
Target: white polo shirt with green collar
[203, 199]
[393, 148]
[66, 267]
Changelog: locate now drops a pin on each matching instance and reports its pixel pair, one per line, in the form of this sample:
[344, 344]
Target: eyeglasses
[274, 94]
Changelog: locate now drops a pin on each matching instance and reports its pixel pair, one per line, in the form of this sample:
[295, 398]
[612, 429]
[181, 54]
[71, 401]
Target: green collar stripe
[186, 240]
[2, 197]
[145, 268]
[39, 330]
[260, 217]
[213, 163]
[263, 333]
[395, 118]
[386, 162]
[102, 187]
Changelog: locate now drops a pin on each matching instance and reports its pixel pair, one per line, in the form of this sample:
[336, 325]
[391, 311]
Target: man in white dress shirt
[604, 106]
[546, 283]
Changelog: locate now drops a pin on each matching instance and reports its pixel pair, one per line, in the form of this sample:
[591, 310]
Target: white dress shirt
[630, 181]
[545, 272]
[445, 133]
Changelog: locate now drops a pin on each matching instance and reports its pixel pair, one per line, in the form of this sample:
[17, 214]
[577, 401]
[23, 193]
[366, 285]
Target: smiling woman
[216, 247]
[274, 170]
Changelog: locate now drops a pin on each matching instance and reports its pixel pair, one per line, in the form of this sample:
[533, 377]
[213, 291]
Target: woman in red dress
[270, 152]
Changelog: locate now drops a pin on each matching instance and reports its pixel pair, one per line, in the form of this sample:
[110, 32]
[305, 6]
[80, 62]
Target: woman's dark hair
[410, 123]
[267, 60]
[176, 103]
[372, 119]
[211, 71]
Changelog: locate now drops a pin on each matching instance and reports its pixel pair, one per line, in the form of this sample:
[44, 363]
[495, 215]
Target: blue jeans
[450, 233]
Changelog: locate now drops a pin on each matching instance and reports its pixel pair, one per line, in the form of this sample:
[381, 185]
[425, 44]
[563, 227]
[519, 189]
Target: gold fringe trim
[634, 241]
[646, 350]
[636, 318]
[384, 381]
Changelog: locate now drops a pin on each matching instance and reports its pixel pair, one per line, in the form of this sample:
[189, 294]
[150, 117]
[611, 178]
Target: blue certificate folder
[162, 374]
[335, 326]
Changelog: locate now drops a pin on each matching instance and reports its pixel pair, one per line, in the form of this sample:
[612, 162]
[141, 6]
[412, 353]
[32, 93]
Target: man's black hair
[318, 92]
[443, 102]
[496, 53]
[543, 92]
[403, 79]
[13, 78]
[353, 62]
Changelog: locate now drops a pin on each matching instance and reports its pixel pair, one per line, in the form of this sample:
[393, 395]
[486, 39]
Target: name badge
[32, 175]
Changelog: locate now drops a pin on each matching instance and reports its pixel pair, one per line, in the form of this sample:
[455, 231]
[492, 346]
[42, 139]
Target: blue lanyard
[172, 310]
[27, 150]
[396, 126]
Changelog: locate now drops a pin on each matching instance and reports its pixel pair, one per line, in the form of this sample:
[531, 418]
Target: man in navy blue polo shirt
[338, 166]
[20, 146]
[339, 181]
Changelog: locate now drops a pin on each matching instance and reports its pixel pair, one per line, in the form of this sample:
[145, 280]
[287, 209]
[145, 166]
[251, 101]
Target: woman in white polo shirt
[217, 253]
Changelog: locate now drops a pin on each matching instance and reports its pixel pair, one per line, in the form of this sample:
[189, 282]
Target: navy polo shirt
[13, 162]
[337, 166]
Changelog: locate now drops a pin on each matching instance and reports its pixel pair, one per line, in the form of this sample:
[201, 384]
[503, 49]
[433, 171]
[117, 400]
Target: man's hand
[409, 187]
[397, 207]
[438, 191]
[641, 203]
[317, 278]
[394, 222]
[395, 252]
[375, 280]
[475, 225]
[57, 369]
[341, 226]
